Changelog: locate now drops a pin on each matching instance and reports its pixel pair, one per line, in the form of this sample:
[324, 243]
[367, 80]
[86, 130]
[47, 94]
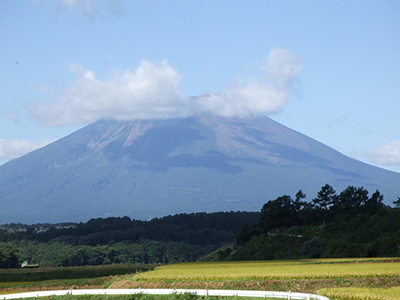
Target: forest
[346, 224]
[178, 238]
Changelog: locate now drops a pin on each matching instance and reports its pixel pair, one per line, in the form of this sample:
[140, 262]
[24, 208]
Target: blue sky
[328, 69]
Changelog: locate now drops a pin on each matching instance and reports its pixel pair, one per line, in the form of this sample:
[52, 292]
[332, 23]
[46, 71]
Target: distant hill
[116, 240]
[153, 168]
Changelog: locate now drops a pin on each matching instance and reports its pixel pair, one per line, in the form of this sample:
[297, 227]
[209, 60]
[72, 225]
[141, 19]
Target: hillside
[351, 223]
[153, 168]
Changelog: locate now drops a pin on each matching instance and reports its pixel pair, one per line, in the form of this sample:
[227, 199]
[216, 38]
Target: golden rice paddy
[361, 293]
[275, 270]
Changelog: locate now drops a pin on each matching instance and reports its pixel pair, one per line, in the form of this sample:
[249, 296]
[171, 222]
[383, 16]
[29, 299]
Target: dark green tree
[350, 202]
[298, 203]
[277, 214]
[374, 204]
[396, 203]
[325, 197]
[246, 234]
[322, 213]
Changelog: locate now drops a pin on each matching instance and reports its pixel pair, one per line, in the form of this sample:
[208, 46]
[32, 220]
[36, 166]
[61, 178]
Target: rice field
[361, 293]
[273, 270]
[337, 279]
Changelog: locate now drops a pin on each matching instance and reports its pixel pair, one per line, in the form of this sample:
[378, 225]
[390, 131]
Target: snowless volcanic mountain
[153, 168]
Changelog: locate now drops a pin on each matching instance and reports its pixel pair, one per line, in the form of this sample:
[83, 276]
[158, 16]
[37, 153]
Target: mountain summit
[153, 168]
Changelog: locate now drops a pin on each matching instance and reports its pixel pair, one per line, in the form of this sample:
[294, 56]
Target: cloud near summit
[387, 156]
[152, 91]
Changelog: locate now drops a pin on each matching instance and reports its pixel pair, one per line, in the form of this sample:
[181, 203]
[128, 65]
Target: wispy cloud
[10, 149]
[345, 122]
[386, 156]
[14, 115]
[75, 7]
[116, 8]
[152, 91]
[86, 8]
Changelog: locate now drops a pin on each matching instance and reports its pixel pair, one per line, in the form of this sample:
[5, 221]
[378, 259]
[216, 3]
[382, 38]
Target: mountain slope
[152, 168]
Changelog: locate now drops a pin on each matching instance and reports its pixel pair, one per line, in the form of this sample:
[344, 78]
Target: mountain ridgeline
[153, 168]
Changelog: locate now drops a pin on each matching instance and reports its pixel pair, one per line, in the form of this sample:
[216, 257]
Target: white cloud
[10, 149]
[152, 91]
[387, 156]
[257, 95]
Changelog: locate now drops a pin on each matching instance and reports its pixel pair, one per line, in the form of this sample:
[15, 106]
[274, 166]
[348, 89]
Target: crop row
[276, 270]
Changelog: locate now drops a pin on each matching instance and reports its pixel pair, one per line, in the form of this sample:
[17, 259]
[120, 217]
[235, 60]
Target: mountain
[153, 168]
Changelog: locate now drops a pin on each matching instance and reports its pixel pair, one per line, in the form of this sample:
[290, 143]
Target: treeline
[348, 224]
[178, 238]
